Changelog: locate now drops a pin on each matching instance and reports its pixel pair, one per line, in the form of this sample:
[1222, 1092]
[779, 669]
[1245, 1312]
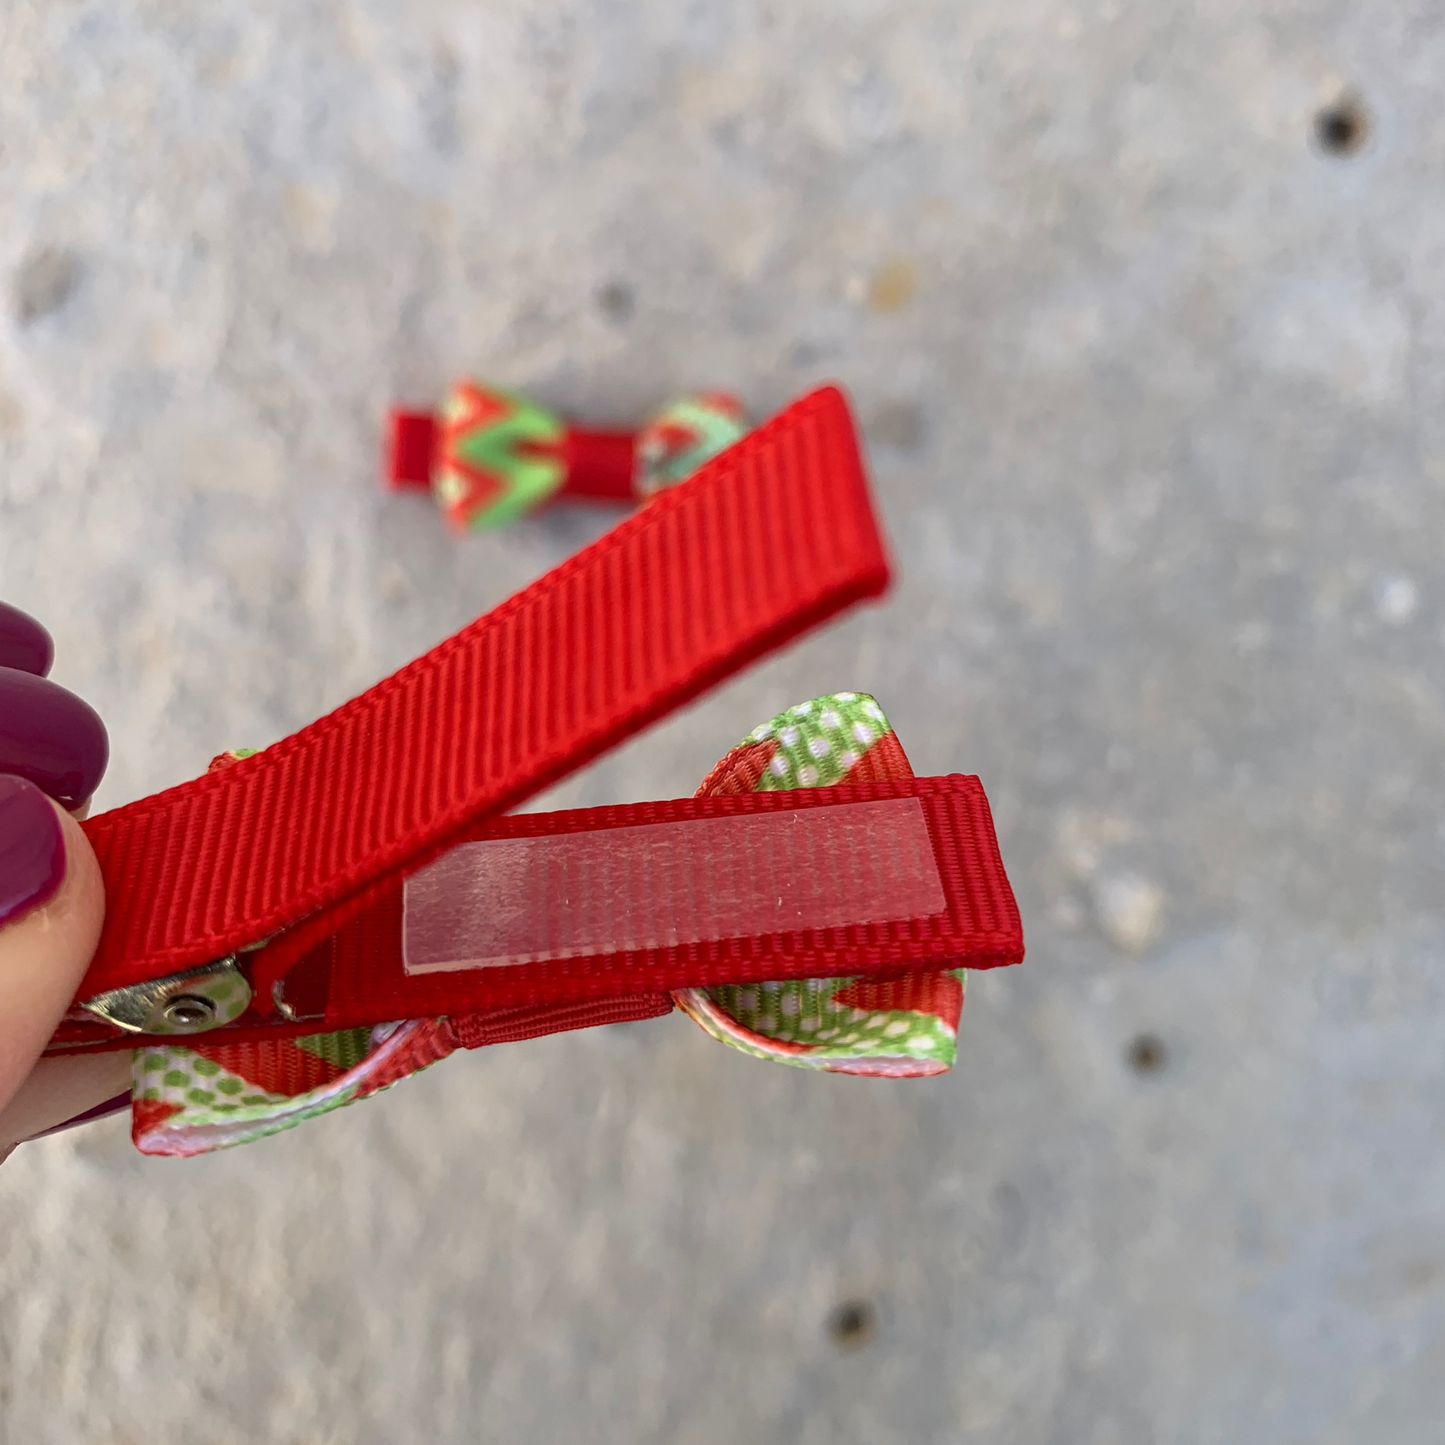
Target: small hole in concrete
[1006, 1198]
[616, 301]
[1342, 128]
[1147, 1054]
[45, 281]
[899, 425]
[852, 1324]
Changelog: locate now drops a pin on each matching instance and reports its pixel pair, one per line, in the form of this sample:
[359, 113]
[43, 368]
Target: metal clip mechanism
[190, 1002]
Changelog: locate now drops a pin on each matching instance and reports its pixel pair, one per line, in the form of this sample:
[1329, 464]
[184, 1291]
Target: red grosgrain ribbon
[629, 887]
[956, 909]
[770, 538]
[492, 456]
[410, 450]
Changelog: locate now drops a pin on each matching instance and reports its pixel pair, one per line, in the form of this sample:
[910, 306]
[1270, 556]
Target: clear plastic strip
[572, 895]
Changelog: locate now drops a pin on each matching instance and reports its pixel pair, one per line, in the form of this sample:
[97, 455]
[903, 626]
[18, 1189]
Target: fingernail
[32, 848]
[24, 644]
[51, 737]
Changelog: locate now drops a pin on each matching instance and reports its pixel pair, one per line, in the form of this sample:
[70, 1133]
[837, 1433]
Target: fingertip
[44, 954]
[24, 644]
[51, 736]
[65, 1090]
[32, 848]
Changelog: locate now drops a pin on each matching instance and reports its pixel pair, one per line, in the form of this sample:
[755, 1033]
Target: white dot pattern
[819, 743]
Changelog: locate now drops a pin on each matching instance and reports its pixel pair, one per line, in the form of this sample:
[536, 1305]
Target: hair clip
[494, 456]
[303, 926]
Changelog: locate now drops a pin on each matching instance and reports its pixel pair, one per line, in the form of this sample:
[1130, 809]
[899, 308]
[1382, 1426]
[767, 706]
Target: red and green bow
[193, 1098]
[493, 456]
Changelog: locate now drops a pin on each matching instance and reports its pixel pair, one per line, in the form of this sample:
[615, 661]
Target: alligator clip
[363, 877]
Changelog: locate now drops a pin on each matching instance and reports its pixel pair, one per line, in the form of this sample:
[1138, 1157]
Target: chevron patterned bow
[494, 456]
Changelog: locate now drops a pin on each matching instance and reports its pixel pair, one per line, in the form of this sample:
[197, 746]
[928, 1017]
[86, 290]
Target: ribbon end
[409, 454]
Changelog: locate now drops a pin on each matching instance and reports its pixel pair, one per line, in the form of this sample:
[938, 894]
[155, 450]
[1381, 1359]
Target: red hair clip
[332, 913]
[493, 456]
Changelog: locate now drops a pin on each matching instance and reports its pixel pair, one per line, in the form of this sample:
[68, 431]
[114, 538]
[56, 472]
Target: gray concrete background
[1152, 385]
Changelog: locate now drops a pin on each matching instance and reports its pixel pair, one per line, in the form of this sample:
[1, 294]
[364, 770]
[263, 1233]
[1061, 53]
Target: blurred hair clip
[491, 457]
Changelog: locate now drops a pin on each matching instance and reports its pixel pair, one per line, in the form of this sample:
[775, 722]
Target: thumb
[52, 904]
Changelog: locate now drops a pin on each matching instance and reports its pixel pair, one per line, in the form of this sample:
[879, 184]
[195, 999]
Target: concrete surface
[1153, 384]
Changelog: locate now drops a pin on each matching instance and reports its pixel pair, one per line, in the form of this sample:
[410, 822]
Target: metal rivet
[188, 1011]
[189, 1002]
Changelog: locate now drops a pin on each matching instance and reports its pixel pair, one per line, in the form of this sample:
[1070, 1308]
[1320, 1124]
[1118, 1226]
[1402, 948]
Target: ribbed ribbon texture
[768, 539]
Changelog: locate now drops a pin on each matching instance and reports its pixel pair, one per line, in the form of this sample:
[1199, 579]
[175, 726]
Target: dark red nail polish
[51, 737]
[32, 849]
[100, 1111]
[24, 644]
